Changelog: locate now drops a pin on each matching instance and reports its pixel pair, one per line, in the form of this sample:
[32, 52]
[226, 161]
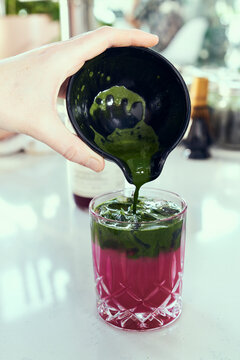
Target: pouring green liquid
[137, 250]
[122, 114]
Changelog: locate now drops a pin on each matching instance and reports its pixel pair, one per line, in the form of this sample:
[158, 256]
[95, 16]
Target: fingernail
[94, 164]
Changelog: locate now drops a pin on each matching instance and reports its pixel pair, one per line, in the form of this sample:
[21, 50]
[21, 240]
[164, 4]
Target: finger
[84, 47]
[70, 146]
[98, 40]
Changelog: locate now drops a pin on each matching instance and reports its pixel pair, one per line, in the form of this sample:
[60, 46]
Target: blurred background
[201, 38]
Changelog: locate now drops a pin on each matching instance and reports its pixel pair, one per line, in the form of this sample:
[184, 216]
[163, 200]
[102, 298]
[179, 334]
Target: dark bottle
[198, 137]
[85, 183]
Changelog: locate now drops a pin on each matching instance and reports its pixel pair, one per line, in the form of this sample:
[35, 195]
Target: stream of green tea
[126, 136]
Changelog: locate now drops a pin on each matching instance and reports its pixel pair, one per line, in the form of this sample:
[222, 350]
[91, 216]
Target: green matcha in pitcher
[121, 114]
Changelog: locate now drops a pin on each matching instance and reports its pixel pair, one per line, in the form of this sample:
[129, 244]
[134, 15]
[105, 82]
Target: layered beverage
[138, 258]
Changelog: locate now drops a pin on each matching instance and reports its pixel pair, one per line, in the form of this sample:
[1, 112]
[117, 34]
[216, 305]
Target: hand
[30, 83]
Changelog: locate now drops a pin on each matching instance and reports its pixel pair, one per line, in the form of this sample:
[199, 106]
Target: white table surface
[47, 298]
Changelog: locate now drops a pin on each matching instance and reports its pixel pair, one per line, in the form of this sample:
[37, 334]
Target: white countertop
[47, 298]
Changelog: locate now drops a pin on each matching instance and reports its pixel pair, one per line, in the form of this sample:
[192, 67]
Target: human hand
[30, 84]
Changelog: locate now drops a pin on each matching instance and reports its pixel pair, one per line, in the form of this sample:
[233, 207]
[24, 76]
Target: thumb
[60, 139]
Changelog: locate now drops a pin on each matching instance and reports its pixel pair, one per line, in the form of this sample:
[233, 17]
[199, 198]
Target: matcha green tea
[136, 240]
[129, 138]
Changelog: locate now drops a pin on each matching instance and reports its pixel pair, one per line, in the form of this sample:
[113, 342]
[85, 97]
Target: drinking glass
[138, 267]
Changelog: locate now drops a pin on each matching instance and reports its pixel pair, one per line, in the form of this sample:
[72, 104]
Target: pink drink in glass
[139, 292]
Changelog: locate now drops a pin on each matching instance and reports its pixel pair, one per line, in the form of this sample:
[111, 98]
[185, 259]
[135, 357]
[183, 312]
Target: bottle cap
[199, 91]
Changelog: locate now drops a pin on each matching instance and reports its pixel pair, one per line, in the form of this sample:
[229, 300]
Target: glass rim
[96, 215]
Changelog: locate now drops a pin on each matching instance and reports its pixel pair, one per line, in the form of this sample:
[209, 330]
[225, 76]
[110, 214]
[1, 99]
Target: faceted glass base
[130, 320]
[138, 294]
